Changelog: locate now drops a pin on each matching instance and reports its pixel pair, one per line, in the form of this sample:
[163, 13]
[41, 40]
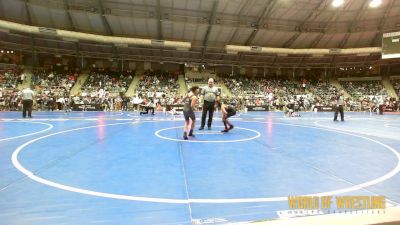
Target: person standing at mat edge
[27, 102]
[188, 112]
[210, 95]
[339, 107]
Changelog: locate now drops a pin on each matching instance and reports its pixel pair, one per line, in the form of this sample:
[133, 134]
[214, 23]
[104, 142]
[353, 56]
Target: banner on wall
[324, 108]
[388, 109]
[86, 107]
[258, 108]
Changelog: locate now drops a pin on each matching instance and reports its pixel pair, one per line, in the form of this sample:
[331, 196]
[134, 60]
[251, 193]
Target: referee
[381, 104]
[210, 95]
[339, 107]
[27, 102]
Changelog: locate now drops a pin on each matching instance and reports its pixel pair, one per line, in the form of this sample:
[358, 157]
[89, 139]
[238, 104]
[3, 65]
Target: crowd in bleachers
[107, 89]
[110, 82]
[52, 86]
[362, 89]
[303, 94]
[366, 95]
[277, 93]
[155, 84]
[10, 77]
[396, 86]
[160, 88]
[323, 92]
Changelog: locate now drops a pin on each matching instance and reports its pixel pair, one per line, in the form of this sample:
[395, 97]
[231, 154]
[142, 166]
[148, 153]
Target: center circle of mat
[257, 134]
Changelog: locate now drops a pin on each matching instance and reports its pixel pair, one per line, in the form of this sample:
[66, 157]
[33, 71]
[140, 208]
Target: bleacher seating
[10, 77]
[155, 85]
[396, 86]
[107, 88]
[362, 89]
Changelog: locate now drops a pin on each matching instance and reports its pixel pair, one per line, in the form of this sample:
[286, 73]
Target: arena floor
[120, 168]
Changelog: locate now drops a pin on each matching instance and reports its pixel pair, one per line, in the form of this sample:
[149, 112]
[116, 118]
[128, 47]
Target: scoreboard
[391, 45]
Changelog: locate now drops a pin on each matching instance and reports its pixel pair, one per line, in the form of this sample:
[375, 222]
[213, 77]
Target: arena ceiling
[209, 25]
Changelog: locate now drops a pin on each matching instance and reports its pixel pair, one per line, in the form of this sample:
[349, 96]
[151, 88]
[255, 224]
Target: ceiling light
[375, 3]
[337, 3]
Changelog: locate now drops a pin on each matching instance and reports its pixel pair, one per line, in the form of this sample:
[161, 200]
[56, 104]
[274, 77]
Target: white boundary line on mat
[29, 134]
[32, 176]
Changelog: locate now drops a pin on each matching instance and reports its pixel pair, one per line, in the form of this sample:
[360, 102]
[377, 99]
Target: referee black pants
[148, 109]
[27, 106]
[380, 109]
[207, 107]
[337, 110]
